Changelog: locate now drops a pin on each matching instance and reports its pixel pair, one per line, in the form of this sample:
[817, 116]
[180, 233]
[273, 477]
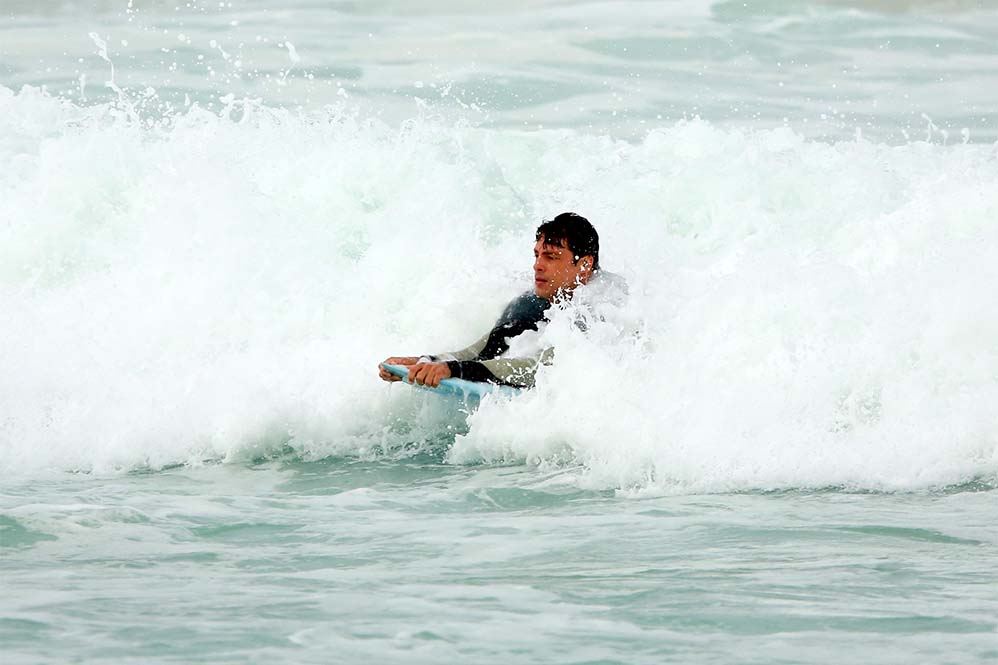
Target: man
[566, 257]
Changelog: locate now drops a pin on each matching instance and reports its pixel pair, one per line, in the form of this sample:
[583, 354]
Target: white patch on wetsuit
[528, 344]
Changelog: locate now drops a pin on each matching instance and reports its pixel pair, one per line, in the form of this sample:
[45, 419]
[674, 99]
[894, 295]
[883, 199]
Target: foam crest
[815, 317]
[222, 286]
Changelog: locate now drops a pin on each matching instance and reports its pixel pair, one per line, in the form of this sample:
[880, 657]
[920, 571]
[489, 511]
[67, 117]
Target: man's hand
[395, 360]
[429, 374]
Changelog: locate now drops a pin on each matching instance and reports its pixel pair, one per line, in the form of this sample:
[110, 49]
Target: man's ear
[586, 263]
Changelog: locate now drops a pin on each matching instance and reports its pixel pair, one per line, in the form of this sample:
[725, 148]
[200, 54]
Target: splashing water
[223, 284]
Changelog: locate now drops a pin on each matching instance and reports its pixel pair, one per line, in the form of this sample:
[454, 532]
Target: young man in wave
[566, 258]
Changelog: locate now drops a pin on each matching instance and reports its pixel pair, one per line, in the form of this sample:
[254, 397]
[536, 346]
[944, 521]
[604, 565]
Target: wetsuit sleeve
[518, 372]
[467, 353]
[482, 360]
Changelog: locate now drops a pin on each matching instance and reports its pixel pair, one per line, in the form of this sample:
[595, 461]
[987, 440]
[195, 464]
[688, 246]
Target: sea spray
[221, 286]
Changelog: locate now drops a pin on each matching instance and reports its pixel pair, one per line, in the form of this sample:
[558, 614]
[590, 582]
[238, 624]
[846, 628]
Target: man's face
[554, 270]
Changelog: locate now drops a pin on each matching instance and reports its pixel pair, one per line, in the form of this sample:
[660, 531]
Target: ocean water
[217, 218]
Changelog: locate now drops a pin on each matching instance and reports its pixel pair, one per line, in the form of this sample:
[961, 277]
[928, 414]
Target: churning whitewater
[219, 285]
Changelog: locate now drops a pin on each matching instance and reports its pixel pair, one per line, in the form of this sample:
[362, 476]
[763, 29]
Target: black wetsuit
[524, 313]
[482, 362]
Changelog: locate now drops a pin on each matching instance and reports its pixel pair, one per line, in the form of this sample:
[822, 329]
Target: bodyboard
[457, 387]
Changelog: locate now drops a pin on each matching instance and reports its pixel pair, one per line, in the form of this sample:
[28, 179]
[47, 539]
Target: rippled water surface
[346, 561]
[892, 70]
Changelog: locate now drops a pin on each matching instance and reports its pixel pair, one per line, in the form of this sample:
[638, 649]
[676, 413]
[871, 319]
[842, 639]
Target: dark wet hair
[572, 231]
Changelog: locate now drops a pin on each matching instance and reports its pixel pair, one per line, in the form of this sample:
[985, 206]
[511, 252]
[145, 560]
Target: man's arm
[467, 353]
[419, 367]
[518, 372]
[480, 361]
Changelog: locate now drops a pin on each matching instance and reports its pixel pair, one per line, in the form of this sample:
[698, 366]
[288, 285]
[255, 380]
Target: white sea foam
[222, 285]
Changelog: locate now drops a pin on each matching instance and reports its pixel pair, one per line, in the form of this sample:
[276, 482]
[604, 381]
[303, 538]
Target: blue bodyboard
[458, 387]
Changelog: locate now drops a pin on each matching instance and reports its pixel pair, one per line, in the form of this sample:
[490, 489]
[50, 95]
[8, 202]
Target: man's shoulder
[527, 306]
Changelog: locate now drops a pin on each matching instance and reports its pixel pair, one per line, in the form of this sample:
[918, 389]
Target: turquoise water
[416, 561]
[892, 69]
[215, 220]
